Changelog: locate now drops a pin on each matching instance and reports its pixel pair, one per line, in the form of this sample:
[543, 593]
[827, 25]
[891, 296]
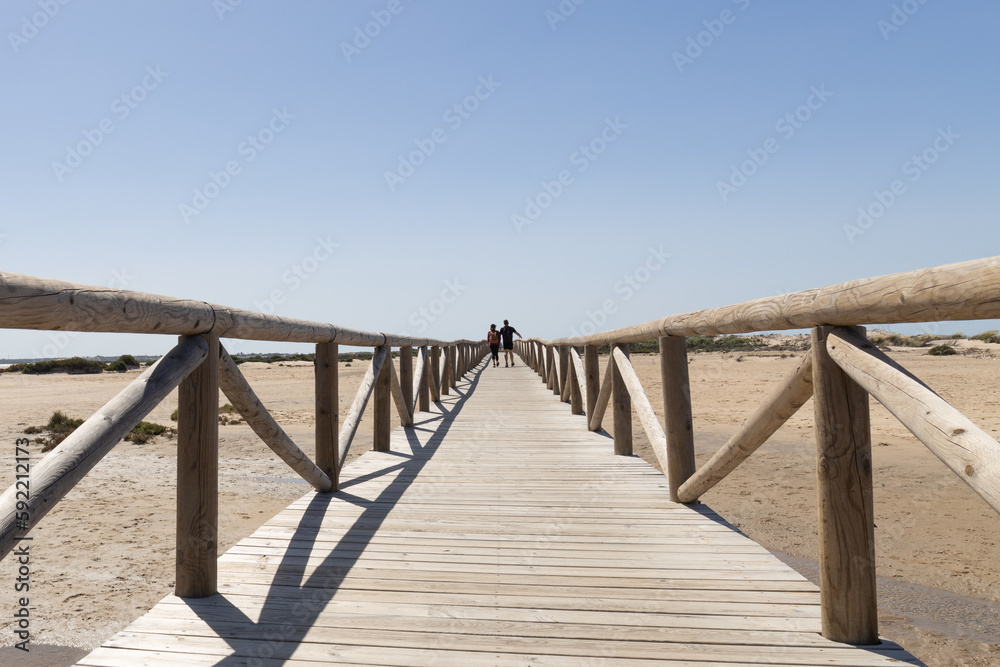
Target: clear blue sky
[115, 113]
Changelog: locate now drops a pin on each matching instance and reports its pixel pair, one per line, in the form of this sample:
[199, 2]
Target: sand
[104, 555]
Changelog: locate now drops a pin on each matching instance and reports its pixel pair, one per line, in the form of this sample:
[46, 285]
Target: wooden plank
[198, 477]
[846, 515]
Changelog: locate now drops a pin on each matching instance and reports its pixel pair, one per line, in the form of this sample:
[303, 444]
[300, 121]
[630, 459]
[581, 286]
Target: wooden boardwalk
[499, 531]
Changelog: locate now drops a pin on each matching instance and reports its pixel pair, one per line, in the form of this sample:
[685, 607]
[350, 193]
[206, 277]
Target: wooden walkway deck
[498, 531]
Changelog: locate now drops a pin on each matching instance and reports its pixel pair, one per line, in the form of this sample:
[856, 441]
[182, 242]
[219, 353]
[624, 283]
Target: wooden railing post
[406, 377]
[564, 373]
[846, 516]
[677, 410]
[593, 379]
[435, 374]
[446, 371]
[575, 393]
[553, 382]
[382, 411]
[198, 478]
[424, 392]
[622, 403]
[328, 412]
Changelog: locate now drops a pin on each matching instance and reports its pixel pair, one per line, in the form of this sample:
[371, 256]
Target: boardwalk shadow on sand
[275, 636]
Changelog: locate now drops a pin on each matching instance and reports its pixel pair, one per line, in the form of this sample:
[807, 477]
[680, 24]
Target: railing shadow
[294, 601]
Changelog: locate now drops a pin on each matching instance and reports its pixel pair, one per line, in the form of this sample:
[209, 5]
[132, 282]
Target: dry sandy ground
[104, 555]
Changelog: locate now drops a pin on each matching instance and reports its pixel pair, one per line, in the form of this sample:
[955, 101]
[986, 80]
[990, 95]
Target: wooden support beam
[784, 402]
[328, 412]
[592, 373]
[62, 468]
[435, 383]
[448, 367]
[564, 373]
[846, 517]
[677, 411]
[577, 388]
[198, 478]
[406, 379]
[622, 405]
[423, 381]
[382, 411]
[353, 419]
[242, 396]
[603, 397]
[964, 447]
[396, 391]
[638, 398]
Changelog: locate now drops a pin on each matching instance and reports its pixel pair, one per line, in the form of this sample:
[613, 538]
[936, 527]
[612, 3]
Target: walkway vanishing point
[498, 530]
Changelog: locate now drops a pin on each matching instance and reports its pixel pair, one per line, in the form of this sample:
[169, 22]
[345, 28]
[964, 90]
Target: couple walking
[493, 337]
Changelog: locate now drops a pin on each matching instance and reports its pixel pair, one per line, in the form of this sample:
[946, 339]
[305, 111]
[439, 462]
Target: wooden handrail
[960, 291]
[29, 302]
[62, 468]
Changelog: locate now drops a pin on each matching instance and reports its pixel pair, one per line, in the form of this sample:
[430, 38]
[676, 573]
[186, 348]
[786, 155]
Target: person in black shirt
[507, 333]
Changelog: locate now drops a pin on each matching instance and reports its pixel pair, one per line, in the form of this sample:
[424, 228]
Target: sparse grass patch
[987, 336]
[146, 431]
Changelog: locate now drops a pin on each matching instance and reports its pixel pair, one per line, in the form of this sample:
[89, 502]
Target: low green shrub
[71, 365]
[941, 350]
